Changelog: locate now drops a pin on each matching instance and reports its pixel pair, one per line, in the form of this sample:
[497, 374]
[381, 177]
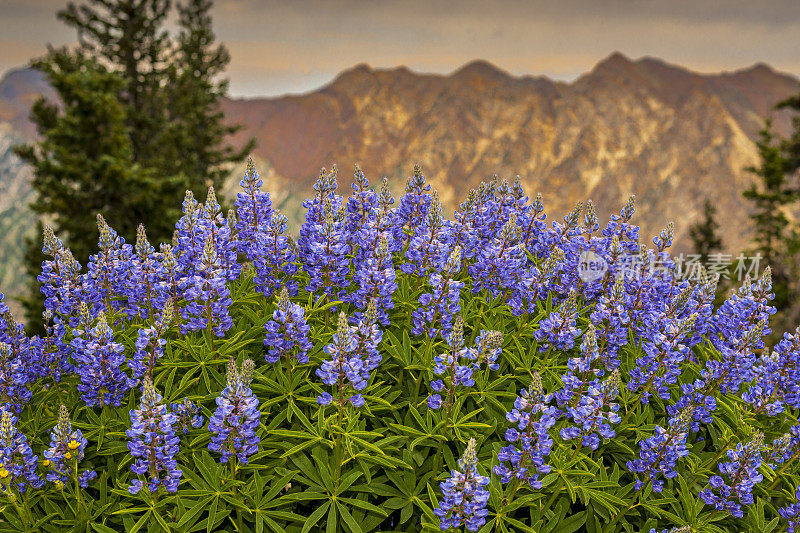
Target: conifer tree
[129, 36]
[197, 132]
[776, 238]
[704, 234]
[83, 164]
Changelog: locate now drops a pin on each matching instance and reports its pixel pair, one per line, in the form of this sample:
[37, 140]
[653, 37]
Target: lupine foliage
[395, 371]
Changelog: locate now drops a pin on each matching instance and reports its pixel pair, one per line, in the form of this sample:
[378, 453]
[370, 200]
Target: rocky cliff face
[671, 136]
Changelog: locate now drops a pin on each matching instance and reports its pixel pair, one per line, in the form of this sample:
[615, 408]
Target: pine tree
[197, 132]
[83, 163]
[138, 122]
[776, 239]
[129, 36]
[704, 234]
[791, 146]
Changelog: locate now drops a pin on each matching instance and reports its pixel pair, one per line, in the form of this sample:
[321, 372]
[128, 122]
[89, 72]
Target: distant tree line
[136, 124]
[775, 200]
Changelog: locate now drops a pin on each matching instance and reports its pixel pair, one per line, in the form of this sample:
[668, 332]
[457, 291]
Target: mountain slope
[669, 135]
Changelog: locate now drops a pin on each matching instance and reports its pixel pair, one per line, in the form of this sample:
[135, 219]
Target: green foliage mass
[378, 468]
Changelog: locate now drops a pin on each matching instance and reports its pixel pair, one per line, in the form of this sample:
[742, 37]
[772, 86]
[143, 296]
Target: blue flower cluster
[17, 462]
[66, 452]
[464, 494]
[287, 332]
[529, 442]
[346, 370]
[777, 378]
[659, 454]
[437, 308]
[99, 360]
[150, 346]
[743, 475]
[189, 414]
[449, 366]
[237, 416]
[559, 330]
[791, 513]
[153, 443]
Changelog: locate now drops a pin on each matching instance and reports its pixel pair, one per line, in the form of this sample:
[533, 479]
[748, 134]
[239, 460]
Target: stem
[78, 491]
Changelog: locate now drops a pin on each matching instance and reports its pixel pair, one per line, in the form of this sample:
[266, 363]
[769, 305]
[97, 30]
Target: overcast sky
[298, 45]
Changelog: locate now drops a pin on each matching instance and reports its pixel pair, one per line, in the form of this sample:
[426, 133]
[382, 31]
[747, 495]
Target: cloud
[279, 46]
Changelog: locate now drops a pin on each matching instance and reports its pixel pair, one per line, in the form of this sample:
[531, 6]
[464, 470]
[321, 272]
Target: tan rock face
[668, 135]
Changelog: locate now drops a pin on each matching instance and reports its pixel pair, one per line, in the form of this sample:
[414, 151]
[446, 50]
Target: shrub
[393, 370]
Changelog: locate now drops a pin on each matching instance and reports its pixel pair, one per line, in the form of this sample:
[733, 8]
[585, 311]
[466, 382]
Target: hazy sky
[299, 45]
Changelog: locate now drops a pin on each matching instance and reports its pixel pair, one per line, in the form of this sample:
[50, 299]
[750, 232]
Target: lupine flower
[287, 333]
[438, 307]
[742, 473]
[66, 452]
[502, 267]
[464, 496]
[448, 365]
[150, 346]
[275, 258]
[659, 454]
[190, 236]
[345, 370]
[254, 208]
[664, 352]
[14, 391]
[429, 244]
[169, 285]
[487, 349]
[777, 378]
[375, 280]
[59, 280]
[143, 277]
[323, 242]
[791, 512]
[368, 337]
[361, 205]
[17, 462]
[558, 330]
[611, 318]
[109, 269]
[581, 371]
[99, 360]
[208, 295]
[594, 413]
[220, 231]
[53, 352]
[153, 443]
[529, 442]
[188, 414]
[237, 416]
[681, 529]
[413, 206]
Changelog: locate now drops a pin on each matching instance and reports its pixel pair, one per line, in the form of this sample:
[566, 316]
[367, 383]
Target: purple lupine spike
[660, 453]
[153, 443]
[464, 494]
[287, 332]
[99, 360]
[237, 416]
[17, 461]
[529, 440]
[743, 475]
[66, 450]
